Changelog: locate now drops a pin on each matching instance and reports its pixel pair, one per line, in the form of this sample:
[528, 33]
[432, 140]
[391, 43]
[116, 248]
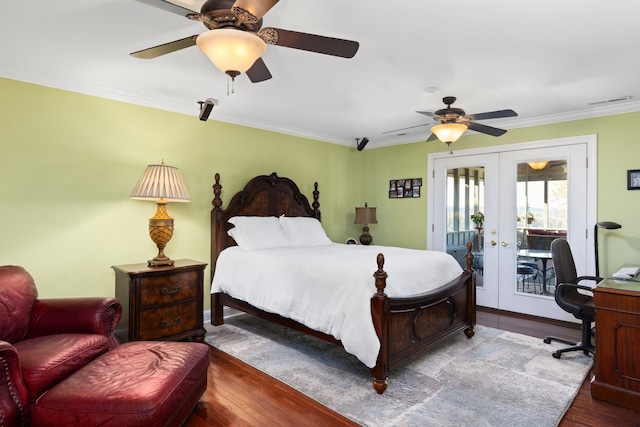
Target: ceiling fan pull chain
[231, 79]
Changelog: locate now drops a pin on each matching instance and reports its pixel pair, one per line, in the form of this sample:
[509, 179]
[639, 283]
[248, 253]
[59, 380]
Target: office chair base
[586, 348]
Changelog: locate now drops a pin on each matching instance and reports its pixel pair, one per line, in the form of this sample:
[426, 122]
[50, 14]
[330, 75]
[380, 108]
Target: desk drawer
[168, 289]
[168, 321]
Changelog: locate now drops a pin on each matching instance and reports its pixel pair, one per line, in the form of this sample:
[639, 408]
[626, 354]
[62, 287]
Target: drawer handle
[167, 324]
[166, 291]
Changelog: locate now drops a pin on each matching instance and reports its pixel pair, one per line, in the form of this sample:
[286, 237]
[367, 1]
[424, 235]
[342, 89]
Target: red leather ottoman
[140, 383]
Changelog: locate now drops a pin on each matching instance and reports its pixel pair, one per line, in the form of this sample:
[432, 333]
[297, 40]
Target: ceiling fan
[235, 28]
[451, 122]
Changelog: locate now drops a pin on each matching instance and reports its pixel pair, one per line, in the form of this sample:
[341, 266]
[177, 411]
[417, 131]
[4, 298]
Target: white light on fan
[449, 132]
[231, 50]
[538, 165]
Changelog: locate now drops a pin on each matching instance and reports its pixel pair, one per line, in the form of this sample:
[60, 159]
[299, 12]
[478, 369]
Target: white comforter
[291, 281]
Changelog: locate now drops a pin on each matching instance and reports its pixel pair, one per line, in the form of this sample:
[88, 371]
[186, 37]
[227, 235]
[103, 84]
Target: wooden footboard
[408, 327]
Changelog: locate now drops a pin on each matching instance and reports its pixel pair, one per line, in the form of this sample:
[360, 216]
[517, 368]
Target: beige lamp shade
[161, 182]
[449, 132]
[232, 51]
[366, 215]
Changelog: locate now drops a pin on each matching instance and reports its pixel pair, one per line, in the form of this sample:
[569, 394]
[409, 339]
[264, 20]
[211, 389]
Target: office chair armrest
[572, 285]
[593, 278]
[563, 302]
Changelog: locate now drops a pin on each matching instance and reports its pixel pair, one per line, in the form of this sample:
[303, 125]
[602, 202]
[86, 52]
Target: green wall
[69, 161]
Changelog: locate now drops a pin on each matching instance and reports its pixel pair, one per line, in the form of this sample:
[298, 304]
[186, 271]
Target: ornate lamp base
[161, 231]
[366, 238]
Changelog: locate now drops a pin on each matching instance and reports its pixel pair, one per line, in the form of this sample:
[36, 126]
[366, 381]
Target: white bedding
[290, 281]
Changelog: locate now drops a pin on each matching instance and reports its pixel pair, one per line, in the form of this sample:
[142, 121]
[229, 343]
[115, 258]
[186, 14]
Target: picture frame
[405, 188]
[633, 179]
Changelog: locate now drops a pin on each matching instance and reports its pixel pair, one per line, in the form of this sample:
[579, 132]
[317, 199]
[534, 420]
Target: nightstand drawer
[168, 289]
[167, 321]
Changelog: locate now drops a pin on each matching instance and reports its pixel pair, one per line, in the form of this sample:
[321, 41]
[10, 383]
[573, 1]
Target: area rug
[496, 378]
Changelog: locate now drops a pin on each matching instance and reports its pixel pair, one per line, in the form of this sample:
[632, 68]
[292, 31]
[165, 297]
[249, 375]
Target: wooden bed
[405, 327]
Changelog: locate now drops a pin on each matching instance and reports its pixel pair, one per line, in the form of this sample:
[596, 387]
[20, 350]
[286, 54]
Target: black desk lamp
[607, 225]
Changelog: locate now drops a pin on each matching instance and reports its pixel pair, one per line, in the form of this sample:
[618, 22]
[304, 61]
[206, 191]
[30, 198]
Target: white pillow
[304, 231]
[258, 232]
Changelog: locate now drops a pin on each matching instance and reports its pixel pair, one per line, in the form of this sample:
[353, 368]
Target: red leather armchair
[43, 341]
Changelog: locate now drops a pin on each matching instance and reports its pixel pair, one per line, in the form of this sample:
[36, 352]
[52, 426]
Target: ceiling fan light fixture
[449, 132]
[231, 51]
[538, 166]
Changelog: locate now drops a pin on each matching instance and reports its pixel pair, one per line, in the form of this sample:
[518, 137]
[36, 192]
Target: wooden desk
[617, 360]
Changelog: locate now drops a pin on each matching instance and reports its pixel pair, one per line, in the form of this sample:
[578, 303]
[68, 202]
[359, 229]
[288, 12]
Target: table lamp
[366, 216]
[607, 225]
[161, 184]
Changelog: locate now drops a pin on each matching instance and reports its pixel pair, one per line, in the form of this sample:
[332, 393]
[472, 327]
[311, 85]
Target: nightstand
[161, 303]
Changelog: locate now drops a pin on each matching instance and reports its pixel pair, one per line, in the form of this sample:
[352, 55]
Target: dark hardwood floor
[239, 395]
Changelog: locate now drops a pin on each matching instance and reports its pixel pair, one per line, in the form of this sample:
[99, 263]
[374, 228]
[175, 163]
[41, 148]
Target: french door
[525, 206]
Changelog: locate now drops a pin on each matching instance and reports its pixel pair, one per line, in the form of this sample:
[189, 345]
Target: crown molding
[82, 87]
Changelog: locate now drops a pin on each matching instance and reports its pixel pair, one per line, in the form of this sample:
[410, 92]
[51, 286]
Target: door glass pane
[541, 217]
[465, 204]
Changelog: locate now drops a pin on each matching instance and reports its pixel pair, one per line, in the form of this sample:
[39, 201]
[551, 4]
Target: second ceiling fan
[236, 40]
[452, 122]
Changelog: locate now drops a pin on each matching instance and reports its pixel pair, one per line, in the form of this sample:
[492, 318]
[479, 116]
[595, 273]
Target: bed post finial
[217, 188]
[315, 205]
[469, 257]
[273, 179]
[380, 275]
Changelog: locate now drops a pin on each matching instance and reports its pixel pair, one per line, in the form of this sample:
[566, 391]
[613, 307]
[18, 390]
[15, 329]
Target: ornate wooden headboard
[264, 195]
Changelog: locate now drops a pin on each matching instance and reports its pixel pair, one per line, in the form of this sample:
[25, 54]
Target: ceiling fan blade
[310, 42]
[258, 72]
[428, 113]
[493, 115]
[179, 7]
[252, 10]
[433, 137]
[163, 49]
[410, 127]
[489, 130]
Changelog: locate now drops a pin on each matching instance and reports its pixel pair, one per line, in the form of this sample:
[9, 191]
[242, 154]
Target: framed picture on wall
[404, 188]
[633, 179]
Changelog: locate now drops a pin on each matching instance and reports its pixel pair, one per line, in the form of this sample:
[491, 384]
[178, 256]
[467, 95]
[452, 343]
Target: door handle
[504, 244]
[493, 243]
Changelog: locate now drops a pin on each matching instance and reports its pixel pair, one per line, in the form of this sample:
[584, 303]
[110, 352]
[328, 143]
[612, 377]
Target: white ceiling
[545, 59]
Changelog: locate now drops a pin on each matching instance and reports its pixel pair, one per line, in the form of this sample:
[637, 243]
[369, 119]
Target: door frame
[590, 140]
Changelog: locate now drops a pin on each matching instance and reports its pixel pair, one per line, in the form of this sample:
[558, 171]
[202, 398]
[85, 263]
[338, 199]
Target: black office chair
[570, 300]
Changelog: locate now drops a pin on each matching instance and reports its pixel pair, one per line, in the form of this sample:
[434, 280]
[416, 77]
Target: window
[542, 196]
[465, 196]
